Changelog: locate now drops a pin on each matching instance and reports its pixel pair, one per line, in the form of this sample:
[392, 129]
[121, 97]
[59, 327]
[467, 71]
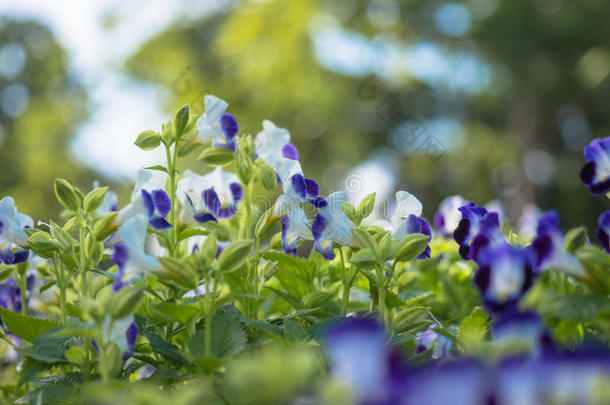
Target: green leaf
[365, 208]
[169, 351]
[177, 272]
[234, 255]
[178, 312]
[350, 212]
[228, 335]
[127, 301]
[295, 274]
[294, 331]
[364, 239]
[148, 140]
[472, 331]
[26, 327]
[216, 156]
[411, 246]
[157, 167]
[94, 199]
[575, 239]
[50, 349]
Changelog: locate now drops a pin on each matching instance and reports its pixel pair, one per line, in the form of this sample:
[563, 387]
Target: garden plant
[250, 285]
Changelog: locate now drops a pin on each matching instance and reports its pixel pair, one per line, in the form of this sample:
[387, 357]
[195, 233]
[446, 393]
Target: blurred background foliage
[484, 98]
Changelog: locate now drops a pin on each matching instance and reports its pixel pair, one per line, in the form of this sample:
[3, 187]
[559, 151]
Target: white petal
[406, 204]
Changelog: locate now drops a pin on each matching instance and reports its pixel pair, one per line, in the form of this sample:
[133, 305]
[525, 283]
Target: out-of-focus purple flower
[448, 216]
[505, 273]
[14, 256]
[549, 247]
[131, 335]
[10, 293]
[215, 125]
[359, 356]
[528, 221]
[489, 234]
[603, 230]
[331, 225]
[430, 338]
[596, 172]
[523, 326]
[468, 227]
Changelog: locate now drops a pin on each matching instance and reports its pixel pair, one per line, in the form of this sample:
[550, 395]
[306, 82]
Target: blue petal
[204, 217]
[148, 203]
[548, 224]
[21, 256]
[587, 173]
[120, 257]
[163, 203]
[325, 249]
[211, 201]
[159, 223]
[131, 336]
[318, 225]
[289, 248]
[312, 188]
[290, 151]
[229, 125]
[460, 235]
[1, 227]
[600, 188]
[228, 211]
[236, 191]
[318, 202]
[298, 185]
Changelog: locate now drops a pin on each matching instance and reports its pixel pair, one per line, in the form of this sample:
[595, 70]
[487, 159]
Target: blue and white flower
[448, 216]
[596, 172]
[273, 144]
[296, 188]
[123, 332]
[295, 226]
[505, 273]
[468, 227]
[331, 225]
[603, 230]
[130, 254]
[549, 247]
[430, 338]
[407, 219]
[149, 198]
[215, 125]
[528, 221]
[10, 293]
[12, 224]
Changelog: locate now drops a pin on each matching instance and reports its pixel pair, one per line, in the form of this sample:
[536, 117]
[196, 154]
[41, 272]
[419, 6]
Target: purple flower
[603, 230]
[14, 256]
[505, 273]
[596, 172]
[295, 226]
[448, 216]
[407, 219]
[430, 338]
[359, 356]
[522, 326]
[549, 247]
[476, 229]
[331, 226]
[149, 198]
[273, 144]
[215, 125]
[10, 293]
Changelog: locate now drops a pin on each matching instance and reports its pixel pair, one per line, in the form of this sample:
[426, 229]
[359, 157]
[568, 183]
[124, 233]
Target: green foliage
[26, 327]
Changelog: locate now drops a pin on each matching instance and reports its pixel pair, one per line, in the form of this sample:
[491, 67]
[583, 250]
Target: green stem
[347, 285]
[208, 318]
[381, 295]
[23, 281]
[171, 169]
[84, 287]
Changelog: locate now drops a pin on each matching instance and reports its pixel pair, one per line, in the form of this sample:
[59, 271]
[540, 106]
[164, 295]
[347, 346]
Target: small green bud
[216, 156]
[364, 239]
[105, 226]
[181, 120]
[244, 167]
[234, 255]
[127, 301]
[411, 246]
[148, 140]
[266, 175]
[94, 199]
[350, 212]
[66, 194]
